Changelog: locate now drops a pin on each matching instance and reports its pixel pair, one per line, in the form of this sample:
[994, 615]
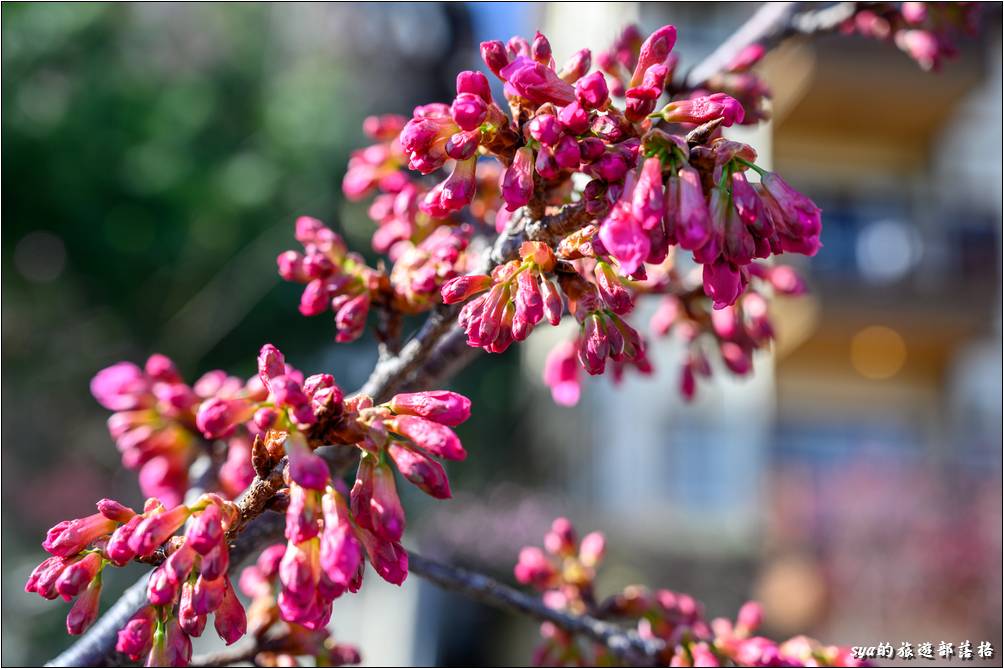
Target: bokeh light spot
[40, 256]
[878, 352]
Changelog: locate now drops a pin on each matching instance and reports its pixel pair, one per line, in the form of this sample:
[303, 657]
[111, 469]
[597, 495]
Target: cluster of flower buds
[420, 270]
[286, 641]
[377, 167]
[190, 583]
[925, 31]
[564, 572]
[736, 331]
[335, 278]
[155, 426]
[518, 296]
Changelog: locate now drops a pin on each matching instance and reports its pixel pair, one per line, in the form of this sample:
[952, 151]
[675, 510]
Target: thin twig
[625, 644]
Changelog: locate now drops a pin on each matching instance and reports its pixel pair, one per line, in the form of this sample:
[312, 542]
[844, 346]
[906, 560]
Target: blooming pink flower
[535, 82]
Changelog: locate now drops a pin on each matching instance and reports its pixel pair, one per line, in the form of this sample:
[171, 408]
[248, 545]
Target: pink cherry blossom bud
[746, 199]
[736, 358]
[749, 57]
[77, 575]
[388, 558]
[117, 548]
[116, 511]
[71, 536]
[442, 406]
[423, 471]
[460, 146]
[647, 198]
[305, 468]
[299, 570]
[533, 568]
[136, 637]
[611, 167]
[206, 530]
[156, 529]
[384, 127]
[750, 618]
[574, 118]
[230, 620]
[612, 290]
[160, 368]
[120, 387]
[217, 417]
[625, 240]
[290, 264]
[386, 513]
[171, 646]
[561, 374]
[540, 49]
[722, 283]
[340, 552]
[216, 563]
[567, 154]
[693, 226]
[703, 109]
[495, 57]
[437, 439]
[160, 589]
[271, 363]
[42, 580]
[576, 66]
[192, 622]
[469, 110]
[560, 540]
[545, 129]
[517, 181]
[591, 90]
[302, 514]
[802, 219]
[475, 83]
[921, 45]
[179, 564]
[314, 299]
[553, 304]
[786, 280]
[591, 149]
[703, 656]
[460, 288]
[208, 594]
[592, 549]
[265, 418]
[688, 383]
[654, 51]
[536, 83]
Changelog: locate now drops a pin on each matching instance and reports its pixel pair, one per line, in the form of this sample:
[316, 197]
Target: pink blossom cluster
[564, 571]
[155, 426]
[336, 279]
[928, 32]
[189, 584]
[288, 641]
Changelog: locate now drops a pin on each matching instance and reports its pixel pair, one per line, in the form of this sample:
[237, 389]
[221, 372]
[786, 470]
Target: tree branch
[772, 23]
[625, 644]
